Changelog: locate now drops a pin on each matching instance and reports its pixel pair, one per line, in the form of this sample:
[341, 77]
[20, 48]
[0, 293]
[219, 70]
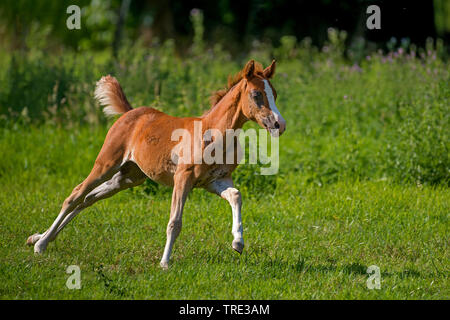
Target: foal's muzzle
[275, 125]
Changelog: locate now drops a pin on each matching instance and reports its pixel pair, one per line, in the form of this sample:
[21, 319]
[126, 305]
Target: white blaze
[269, 94]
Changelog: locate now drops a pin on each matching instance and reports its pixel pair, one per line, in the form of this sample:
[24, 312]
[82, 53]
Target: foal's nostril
[277, 125]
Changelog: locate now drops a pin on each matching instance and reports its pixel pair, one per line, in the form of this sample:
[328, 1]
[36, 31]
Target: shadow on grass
[276, 266]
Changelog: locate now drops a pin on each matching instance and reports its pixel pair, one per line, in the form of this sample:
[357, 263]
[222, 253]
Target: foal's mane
[232, 81]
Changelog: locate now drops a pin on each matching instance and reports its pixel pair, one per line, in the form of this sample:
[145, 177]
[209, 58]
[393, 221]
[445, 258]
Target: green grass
[364, 176]
[302, 242]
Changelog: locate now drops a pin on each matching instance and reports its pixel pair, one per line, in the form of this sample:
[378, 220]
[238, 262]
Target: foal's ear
[249, 69]
[270, 70]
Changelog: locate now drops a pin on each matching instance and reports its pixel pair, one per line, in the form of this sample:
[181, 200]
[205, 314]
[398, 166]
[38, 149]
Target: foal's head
[258, 98]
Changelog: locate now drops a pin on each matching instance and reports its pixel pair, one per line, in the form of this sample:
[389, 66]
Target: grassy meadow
[364, 178]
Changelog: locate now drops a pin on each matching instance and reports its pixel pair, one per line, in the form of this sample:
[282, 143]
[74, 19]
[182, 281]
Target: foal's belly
[213, 172]
[157, 167]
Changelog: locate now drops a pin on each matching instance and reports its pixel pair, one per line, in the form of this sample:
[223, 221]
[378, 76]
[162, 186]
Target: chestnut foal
[140, 145]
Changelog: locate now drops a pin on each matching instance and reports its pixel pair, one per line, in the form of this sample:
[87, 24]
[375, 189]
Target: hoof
[238, 245]
[164, 265]
[39, 247]
[33, 239]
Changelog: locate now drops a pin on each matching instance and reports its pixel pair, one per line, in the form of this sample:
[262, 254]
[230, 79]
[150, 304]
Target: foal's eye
[256, 94]
[257, 98]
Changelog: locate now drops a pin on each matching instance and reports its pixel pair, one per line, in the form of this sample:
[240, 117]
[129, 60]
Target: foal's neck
[227, 113]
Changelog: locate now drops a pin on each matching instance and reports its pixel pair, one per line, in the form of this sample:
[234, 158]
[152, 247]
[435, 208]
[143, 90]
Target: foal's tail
[109, 94]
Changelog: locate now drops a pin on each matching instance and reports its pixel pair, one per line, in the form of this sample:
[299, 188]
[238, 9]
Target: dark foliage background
[235, 24]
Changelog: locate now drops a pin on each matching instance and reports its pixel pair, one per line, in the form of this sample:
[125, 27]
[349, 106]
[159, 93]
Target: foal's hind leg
[128, 176]
[99, 174]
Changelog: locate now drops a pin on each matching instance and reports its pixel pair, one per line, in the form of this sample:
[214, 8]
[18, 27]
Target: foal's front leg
[225, 189]
[181, 189]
